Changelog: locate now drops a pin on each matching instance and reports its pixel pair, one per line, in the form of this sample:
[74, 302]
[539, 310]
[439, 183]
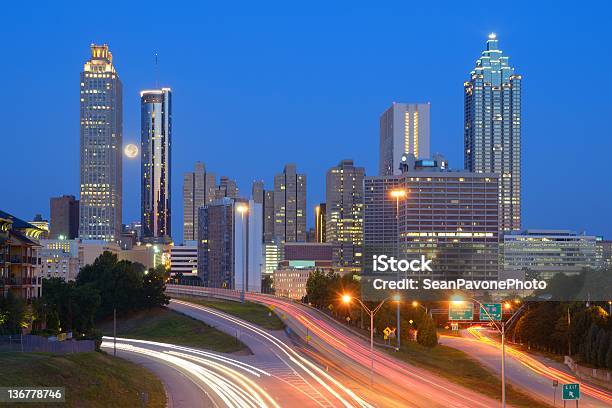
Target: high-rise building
[198, 190]
[64, 217]
[344, 215]
[290, 205]
[492, 131]
[404, 129]
[226, 188]
[542, 254]
[266, 199]
[320, 221]
[229, 244]
[450, 217]
[156, 143]
[604, 253]
[101, 147]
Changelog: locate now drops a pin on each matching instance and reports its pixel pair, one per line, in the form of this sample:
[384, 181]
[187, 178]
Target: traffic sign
[490, 311]
[461, 311]
[571, 392]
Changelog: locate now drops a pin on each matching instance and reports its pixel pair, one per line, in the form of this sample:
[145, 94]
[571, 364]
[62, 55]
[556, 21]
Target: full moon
[131, 151]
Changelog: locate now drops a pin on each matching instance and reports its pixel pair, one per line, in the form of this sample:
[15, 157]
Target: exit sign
[490, 311]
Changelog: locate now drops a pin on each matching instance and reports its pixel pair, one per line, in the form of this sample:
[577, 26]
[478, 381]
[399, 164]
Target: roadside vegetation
[91, 379]
[75, 306]
[166, 326]
[254, 313]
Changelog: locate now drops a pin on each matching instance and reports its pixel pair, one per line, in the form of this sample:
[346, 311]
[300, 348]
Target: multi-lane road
[527, 372]
[347, 357]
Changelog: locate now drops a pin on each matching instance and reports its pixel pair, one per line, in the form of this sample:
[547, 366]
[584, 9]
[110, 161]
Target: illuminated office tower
[320, 232]
[101, 137]
[492, 131]
[155, 140]
[449, 216]
[290, 205]
[344, 215]
[404, 129]
[198, 190]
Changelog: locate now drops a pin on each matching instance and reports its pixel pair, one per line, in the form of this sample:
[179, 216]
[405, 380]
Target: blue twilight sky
[259, 84]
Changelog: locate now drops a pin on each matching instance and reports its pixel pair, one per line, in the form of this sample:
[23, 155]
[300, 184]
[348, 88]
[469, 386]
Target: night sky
[259, 84]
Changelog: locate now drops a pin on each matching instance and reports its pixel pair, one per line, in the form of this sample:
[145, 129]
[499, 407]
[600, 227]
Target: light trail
[231, 386]
[339, 341]
[316, 373]
[540, 368]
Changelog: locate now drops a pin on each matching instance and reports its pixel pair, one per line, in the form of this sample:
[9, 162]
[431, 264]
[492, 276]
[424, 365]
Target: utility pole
[114, 331]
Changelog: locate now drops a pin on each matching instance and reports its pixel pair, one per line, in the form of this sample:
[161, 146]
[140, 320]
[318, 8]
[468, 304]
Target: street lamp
[397, 194]
[242, 209]
[346, 299]
[417, 304]
[502, 331]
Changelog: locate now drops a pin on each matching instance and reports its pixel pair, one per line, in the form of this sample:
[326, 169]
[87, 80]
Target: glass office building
[101, 129]
[492, 132]
[156, 143]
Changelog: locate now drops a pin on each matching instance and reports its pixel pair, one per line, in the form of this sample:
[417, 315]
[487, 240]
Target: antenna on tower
[156, 72]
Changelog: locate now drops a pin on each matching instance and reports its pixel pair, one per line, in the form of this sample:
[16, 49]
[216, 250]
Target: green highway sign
[571, 392]
[461, 311]
[490, 311]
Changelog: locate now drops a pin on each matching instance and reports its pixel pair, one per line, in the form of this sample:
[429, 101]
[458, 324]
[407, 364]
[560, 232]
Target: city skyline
[539, 190]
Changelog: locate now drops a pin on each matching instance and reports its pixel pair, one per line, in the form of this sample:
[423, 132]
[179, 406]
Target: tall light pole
[397, 194]
[243, 208]
[502, 331]
[417, 304]
[347, 300]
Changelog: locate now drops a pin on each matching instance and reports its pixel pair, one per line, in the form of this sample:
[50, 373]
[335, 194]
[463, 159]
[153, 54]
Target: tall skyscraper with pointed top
[156, 143]
[101, 130]
[492, 131]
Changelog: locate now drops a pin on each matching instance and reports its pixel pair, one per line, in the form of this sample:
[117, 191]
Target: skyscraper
[229, 244]
[198, 190]
[320, 228]
[449, 216]
[226, 188]
[156, 143]
[344, 215]
[101, 131]
[266, 199]
[290, 205]
[404, 129]
[492, 132]
[64, 217]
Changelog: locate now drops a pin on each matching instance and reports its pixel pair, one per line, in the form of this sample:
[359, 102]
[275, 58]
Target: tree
[267, 284]
[154, 287]
[603, 343]
[427, 334]
[12, 314]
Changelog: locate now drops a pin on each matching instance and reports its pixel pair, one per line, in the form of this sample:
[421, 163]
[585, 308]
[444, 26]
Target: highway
[402, 384]
[526, 372]
[294, 378]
